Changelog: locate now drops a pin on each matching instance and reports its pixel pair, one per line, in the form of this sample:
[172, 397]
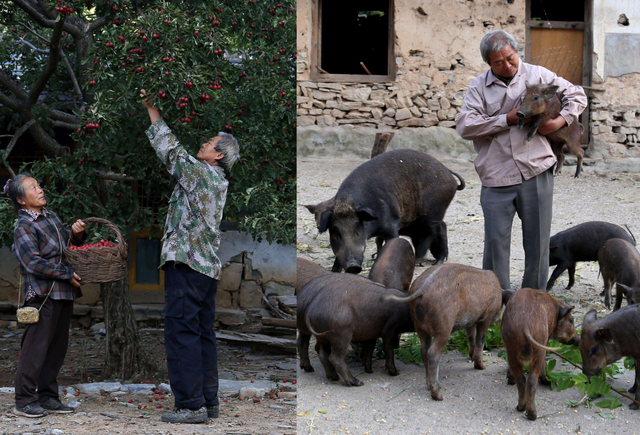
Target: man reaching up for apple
[192, 269]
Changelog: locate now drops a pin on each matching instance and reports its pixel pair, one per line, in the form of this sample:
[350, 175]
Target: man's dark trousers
[44, 346]
[192, 356]
[533, 202]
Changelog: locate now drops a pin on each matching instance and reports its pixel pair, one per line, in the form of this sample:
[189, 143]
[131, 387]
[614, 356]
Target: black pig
[541, 102]
[581, 243]
[619, 262]
[400, 192]
[604, 341]
[395, 265]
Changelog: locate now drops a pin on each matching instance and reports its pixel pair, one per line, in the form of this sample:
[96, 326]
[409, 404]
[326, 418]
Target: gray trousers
[533, 201]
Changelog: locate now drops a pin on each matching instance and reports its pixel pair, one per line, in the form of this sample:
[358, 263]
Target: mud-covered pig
[581, 243]
[447, 298]
[530, 319]
[542, 102]
[394, 265]
[305, 295]
[353, 311]
[606, 340]
[400, 192]
[619, 263]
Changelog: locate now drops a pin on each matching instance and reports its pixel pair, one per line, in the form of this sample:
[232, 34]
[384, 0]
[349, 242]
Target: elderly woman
[48, 285]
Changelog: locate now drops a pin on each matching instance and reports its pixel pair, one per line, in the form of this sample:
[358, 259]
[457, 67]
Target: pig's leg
[425, 344]
[572, 276]
[379, 243]
[339, 350]
[511, 379]
[389, 364]
[324, 352]
[536, 367]
[560, 157]
[303, 351]
[636, 390]
[619, 295]
[367, 354]
[471, 339]
[607, 291]
[433, 356]
[481, 328]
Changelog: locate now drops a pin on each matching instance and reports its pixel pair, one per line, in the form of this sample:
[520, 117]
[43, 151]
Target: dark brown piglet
[354, 311]
[619, 263]
[606, 340]
[307, 270]
[306, 294]
[448, 298]
[541, 102]
[581, 243]
[395, 265]
[530, 319]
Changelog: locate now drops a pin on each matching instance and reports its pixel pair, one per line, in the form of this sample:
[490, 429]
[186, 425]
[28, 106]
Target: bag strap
[54, 282]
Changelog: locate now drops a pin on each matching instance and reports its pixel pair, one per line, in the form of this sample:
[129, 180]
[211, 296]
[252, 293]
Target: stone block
[424, 81]
[355, 114]
[223, 299]
[81, 310]
[331, 86]
[273, 287]
[337, 113]
[633, 123]
[405, 102]
[420, 102]
[445, 103]
[378, 95]
[418, 122]
[365, 109]
[416, 112]
[230, 317]
[97, 312]
[356, 94]
[231, 277]
[376, 113]
[250, 295]
[388, 121]
[612, 137]
[302, 100]
[301, 112]
[402, 114]
[616, 149]
[320, 95]
[303, 121]
[326, 120]
[442, 115]
[629, 115]
[390, 112]
[90, 294]
[85, 321]
[447, 124]
[319, 104]
[433, 104]
[376, 103]
[391, 103]
[315, 112]
[308, 85]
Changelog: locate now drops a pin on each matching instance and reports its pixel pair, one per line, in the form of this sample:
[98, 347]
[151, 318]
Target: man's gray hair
[494, 42]
[228, 145]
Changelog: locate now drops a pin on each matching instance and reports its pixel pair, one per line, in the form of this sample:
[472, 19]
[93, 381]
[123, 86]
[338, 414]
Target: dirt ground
[111, 413]
[476, 402]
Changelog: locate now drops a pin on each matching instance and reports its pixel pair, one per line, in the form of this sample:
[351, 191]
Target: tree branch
[59, 115]
[33, 47]
[11, 84]
[72, 75]
[113, 176]
[66, 125]
[9, 102]
[50, 68]
[12, 143]
[36, 15]
[98, 22]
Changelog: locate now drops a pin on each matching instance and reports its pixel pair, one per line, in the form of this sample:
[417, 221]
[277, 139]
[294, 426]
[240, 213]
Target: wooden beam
[272, 321]
[381, 143]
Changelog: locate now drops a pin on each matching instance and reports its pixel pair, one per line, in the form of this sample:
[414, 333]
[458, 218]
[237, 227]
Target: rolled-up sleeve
[473, 121]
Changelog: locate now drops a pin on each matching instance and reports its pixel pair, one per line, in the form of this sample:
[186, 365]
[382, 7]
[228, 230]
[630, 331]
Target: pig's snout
[520, 115]
[353, 267]
[575, 340]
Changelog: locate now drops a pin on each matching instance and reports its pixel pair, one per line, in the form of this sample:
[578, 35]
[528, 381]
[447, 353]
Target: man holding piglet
[192, 269]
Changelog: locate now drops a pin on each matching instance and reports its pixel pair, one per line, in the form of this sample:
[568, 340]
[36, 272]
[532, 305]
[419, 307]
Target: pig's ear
[324, 220]
[563, 312]
[550, 92]
[527, 84]
[366, 214]
[591, 316]
[311, 208]
[604, 334]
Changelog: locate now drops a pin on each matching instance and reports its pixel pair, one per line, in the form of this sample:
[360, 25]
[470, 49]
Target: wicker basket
[96, 265]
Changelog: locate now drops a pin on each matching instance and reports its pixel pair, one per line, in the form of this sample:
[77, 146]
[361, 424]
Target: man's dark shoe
[213, 411]
[32, 410]
[186, 415]
[54, 406]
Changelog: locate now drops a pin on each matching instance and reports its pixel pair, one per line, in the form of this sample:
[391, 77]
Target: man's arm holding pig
[474, 122]
[574, 102]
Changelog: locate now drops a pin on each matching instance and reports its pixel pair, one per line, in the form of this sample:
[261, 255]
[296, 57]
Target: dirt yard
[475, 402]
[128, 414]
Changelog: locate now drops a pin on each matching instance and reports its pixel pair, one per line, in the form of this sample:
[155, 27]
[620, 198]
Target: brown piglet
[619, 263]
[541, 102]
[448, 298]
[530, 319]
[305, 271]
[395, 265]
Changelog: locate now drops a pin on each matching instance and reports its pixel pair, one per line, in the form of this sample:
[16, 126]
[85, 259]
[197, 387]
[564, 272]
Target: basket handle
[121, 244]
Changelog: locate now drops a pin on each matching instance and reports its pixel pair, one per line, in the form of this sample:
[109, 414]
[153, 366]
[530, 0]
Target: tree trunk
[381, 143]
[124, 359]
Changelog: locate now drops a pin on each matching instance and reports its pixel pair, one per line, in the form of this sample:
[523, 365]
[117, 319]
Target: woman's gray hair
[494, 42]
[228, 145]
[16, 190]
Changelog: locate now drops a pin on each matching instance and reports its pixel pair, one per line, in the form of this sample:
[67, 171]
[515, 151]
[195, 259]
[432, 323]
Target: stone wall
[252, 271]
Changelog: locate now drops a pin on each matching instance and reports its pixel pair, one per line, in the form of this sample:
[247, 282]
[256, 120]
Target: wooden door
[559, 50]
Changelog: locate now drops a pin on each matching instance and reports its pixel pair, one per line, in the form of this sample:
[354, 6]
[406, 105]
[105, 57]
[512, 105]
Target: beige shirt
[504, 158]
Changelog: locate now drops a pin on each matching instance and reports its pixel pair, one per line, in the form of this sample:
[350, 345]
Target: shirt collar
[34, 215]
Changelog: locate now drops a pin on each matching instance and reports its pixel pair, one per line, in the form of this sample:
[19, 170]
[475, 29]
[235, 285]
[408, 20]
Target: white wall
[605, 21]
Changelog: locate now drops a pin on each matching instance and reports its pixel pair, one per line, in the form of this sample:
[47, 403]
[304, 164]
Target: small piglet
[305, 271]
[395, 265]
[606, 340]
[581, 243]
[305, 295]
[530, 319]
[541, 102]
[353, 311]
[448, 298]
[620, 263]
